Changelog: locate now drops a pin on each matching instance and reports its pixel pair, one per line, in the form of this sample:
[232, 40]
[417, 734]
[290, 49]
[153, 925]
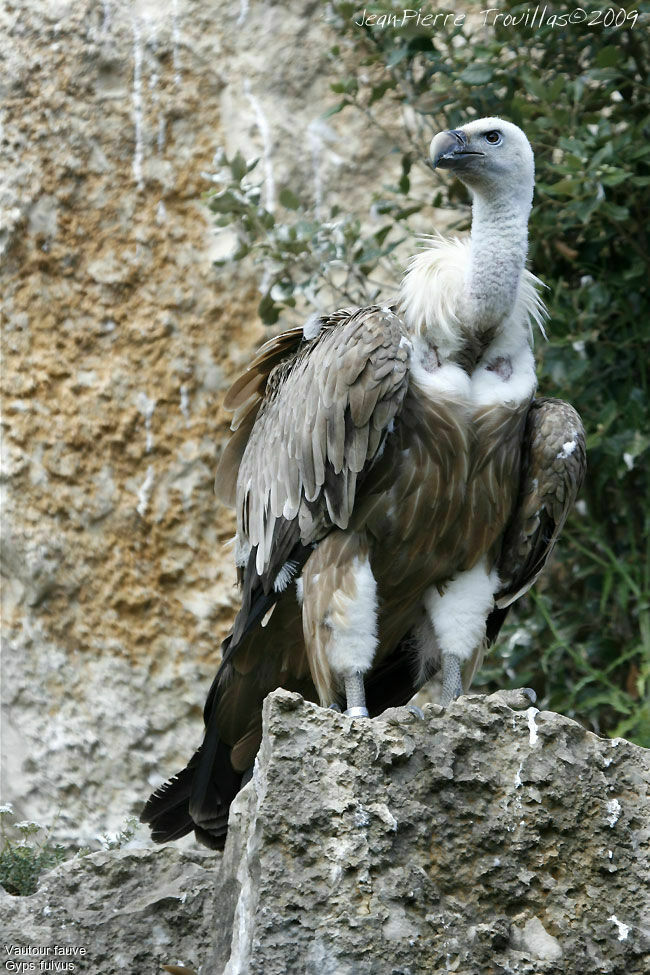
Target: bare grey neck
[499, 245]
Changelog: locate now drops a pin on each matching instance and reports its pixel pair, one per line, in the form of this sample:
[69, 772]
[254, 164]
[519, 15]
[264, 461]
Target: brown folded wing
[553, 468]
[309, 426]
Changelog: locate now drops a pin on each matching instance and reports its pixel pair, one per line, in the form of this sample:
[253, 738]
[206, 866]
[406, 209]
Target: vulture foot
[452, 683]
[355, 696]
[398, 717]
[519, 698]
[334, 706]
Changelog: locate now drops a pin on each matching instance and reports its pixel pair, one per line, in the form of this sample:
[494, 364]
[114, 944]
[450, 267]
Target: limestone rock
[119, 338]
[131, 911]
[481, 840]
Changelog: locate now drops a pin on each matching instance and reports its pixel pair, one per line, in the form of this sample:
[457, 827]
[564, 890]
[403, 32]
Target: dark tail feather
[192, 800]
[494, 623]
[167, 809]
[198, 798]
[214, 786]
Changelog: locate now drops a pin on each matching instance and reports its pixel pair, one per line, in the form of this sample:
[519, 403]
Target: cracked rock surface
[131, 911]
[481, 840]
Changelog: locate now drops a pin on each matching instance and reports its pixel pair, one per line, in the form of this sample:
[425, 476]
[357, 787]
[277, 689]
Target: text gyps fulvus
[397, 486]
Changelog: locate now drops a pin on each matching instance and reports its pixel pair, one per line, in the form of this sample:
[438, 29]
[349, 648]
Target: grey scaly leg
[355, 696]
[452, 684]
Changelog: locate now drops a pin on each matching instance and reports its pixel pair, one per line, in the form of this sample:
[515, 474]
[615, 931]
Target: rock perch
[484, 841]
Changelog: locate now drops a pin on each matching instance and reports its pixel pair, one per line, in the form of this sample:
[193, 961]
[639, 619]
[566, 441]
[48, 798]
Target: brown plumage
[396, 488]
[431, 497]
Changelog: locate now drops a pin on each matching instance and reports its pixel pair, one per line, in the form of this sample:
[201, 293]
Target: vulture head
[491, 156]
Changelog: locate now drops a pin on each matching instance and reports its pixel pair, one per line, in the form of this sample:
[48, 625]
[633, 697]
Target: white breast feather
[448, 381]
[488, 388]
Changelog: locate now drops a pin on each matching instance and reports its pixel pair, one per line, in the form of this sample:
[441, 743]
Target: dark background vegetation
[582, 638]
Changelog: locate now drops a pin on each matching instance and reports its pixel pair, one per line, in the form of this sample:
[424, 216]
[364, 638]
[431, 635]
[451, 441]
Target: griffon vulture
[396, 484]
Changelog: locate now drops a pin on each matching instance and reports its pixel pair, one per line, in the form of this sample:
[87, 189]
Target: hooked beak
[450, 148]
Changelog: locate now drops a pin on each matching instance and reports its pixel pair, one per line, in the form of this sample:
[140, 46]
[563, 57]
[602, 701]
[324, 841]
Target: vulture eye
[494, 138]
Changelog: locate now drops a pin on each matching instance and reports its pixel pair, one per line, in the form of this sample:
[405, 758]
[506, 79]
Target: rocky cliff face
[479, 840]
[119, 338]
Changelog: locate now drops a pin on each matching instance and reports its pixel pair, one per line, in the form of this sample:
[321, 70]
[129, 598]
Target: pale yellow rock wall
[119, 339]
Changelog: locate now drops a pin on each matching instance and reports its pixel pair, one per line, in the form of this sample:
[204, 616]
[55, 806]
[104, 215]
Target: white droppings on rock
[86, 378]
[267, 146]
[136, 97]
[106, 22]
[243, 13]
[20, 405]
[176, 40]
[614, 810]
[532, 727]
[319, 134]
[160, 138]
[185, 402]
[315, 141]
[623, 929]
[144, 492]
[146, 406]
[399, 927]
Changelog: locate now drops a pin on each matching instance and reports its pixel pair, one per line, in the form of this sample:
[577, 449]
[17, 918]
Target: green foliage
[27, 850]
[325, 261]
[23, 856]
[581, 94]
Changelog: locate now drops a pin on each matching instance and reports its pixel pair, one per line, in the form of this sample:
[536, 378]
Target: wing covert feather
[321, 411]
[553, 468]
